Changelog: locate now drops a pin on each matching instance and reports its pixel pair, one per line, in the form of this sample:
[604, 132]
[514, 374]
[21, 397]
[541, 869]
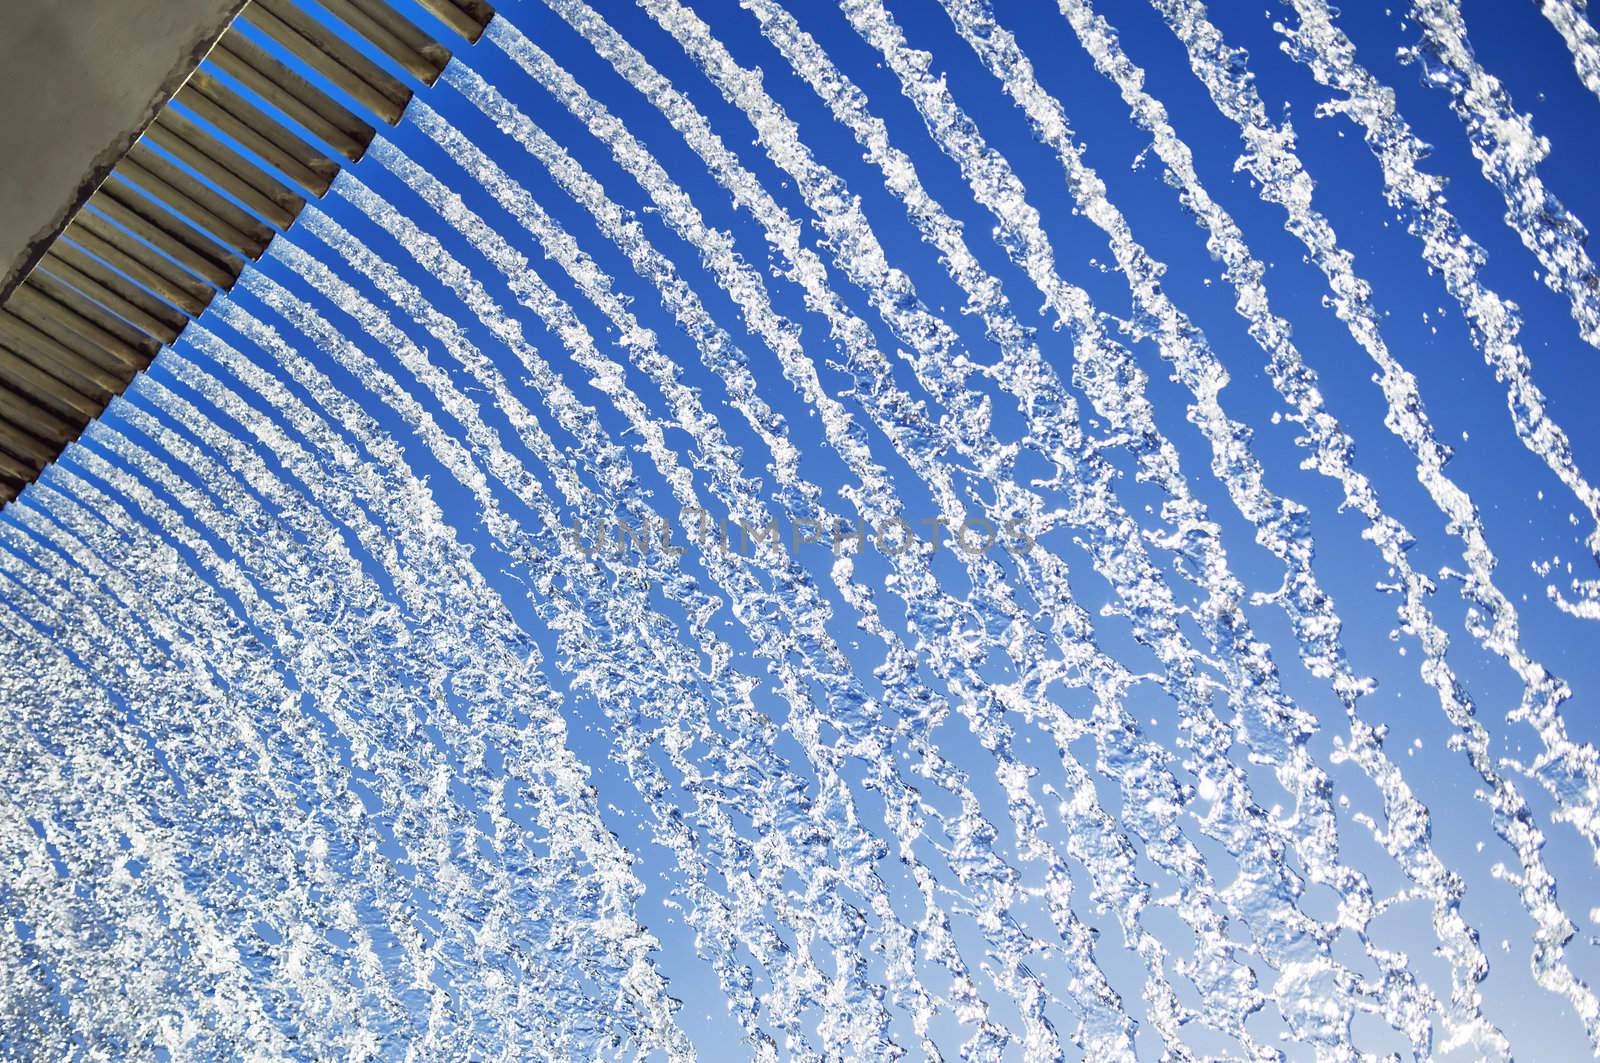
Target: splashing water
[684, 553]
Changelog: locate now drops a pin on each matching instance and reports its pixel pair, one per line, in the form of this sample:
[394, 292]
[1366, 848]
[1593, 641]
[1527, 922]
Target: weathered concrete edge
[194, 52]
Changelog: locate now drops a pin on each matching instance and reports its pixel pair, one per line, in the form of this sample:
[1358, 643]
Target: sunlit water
[937, 529]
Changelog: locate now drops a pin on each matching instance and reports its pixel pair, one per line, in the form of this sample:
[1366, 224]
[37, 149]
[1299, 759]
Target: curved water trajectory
[978, 529]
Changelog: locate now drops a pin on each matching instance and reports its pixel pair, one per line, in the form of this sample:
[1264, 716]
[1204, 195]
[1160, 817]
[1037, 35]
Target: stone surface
[81, 80]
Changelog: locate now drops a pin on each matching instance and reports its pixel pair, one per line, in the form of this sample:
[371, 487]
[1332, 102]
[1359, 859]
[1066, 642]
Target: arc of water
[633, 154]
[679, 298]
[745, 193]
[348, 911]
[436, 581]
[342, 624]
[1570, 18]
[546, 1001]
[57, 950]
[208, 795]
[1282, 525]
[1324, 49]
[447, 588]
[411, 238]
[256, 582]
[1271, 159]
[677, 699]
[1509, 152]
[833, 671]
[377, 921]
[860, 254]
[500, 939]
[36, 901]
[131, 658]
[1333, 448]
[107, 938]
[374, 321]
[815, 67]
[850, 108]
[121, 913]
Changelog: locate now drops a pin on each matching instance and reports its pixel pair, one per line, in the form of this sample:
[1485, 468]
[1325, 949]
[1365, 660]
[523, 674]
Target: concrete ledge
[82, 79]
[121, 217]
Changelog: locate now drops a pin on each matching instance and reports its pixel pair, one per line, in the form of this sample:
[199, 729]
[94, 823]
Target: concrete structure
[150, 149]
[82, 79]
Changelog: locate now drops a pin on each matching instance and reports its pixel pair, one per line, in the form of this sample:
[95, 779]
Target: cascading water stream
[536, 614]
[1496, 324]
[1571, 20]
[1509, 151]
